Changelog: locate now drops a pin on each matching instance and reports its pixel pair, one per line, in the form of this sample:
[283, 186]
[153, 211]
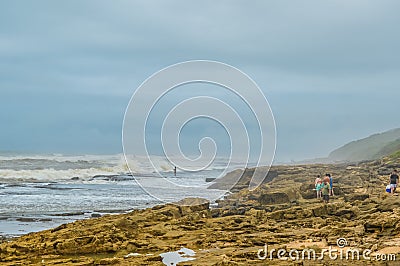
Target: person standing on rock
[394, 181]
[326, 189]
[331, 184]
[318, 180]
[318, 188]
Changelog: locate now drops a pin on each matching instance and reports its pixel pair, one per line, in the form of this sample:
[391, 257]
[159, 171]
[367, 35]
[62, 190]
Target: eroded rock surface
[282, 213]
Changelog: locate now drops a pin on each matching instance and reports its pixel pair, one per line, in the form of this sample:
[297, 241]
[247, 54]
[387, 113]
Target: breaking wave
[53, 168]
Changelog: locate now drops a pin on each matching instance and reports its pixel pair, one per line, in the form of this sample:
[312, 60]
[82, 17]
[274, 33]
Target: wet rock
[26, 219]
[69, 214]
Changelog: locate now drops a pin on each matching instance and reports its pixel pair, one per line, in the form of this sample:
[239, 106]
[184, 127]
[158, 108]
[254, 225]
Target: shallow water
[175, 257]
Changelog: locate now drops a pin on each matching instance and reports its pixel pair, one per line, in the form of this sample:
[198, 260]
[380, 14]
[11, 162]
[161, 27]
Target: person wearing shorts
[393, 181]
[326, 190]
[318, 188]
[331, 184]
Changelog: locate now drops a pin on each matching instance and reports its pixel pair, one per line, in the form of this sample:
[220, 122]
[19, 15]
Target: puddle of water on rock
[173, 258]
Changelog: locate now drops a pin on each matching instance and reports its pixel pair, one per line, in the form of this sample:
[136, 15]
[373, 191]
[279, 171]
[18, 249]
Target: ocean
[39, 192]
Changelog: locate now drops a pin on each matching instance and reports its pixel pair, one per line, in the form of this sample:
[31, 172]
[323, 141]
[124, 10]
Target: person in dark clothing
[325, 189]
[393, 181]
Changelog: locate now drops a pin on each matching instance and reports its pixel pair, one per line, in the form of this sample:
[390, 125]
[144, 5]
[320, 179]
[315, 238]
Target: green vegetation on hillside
[395, 155]
[390, 149]
[370, 148]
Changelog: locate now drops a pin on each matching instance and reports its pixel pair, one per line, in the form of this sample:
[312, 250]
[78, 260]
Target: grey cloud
[305, 55]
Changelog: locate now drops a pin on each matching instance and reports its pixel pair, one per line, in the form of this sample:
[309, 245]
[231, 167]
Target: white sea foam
[58, 167]
[37, 185]
[51, 174]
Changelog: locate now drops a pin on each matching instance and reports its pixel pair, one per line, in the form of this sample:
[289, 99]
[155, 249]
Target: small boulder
[190, 205]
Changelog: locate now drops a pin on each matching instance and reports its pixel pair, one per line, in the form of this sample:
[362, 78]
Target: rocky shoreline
[282, 214]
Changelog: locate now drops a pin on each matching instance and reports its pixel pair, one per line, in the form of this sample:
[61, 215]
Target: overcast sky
[329, 69]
